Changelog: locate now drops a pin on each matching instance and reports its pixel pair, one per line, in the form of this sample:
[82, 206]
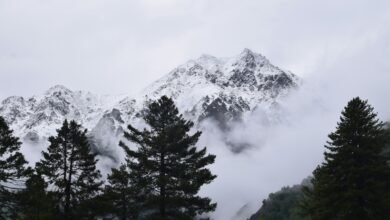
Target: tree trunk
[68, 187]
[162, 187]
[67, 190]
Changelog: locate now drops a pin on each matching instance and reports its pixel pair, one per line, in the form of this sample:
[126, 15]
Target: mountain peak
[208, 61]
[224, 90]
[247, 51]
[250, 57]
[58, 89]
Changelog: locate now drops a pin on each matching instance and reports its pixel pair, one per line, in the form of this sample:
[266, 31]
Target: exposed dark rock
[245, 77]
[115, 114]
[224, 110]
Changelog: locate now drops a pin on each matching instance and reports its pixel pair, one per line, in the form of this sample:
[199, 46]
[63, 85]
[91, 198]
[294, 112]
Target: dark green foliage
[121, 194]
[353, 182]
[167, 165]
[282, 205]
[70, 166]
[12, 170]
[35, 202]
[387, 137]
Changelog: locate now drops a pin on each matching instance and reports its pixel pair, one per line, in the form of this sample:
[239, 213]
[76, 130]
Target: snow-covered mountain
[221, 89]
[224, 89]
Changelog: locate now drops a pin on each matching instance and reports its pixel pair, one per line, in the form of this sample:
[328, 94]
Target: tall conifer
[70, 167]
[12, 170]
[167, 165]
[353, 182]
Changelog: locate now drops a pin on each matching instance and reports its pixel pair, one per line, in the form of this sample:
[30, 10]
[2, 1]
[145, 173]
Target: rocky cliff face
[221, 89]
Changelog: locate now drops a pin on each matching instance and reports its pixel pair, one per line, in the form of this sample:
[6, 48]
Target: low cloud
[285, 153]
[341, 49]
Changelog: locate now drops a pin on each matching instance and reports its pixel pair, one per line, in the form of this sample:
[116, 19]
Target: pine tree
[121, 194]
[167, 165]
[353, 182]
[70, 166]
[12, 170]
[35, 202]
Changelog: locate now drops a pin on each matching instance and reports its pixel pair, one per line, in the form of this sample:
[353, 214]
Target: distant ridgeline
[283, 204]
[223, 90]
[159, 179]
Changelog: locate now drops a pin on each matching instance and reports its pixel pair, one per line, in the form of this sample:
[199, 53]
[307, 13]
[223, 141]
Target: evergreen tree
[70, 166]
[12, 170]
[167, 165]
[387, 135]
[35, 202]
[353, 182]
[282, 205]
[121, 194]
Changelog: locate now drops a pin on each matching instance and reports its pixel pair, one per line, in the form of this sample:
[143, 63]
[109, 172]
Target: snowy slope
[222, 89]
[40, 116]
[226, 88]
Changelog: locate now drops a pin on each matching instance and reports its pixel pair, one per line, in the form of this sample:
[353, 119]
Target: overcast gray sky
[341, 49]
[122, 46]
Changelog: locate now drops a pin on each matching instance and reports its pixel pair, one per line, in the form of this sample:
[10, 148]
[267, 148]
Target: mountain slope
[221, 89]
[224, 89]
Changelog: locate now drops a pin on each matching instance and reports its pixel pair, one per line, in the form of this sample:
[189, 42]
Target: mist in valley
[340, 52]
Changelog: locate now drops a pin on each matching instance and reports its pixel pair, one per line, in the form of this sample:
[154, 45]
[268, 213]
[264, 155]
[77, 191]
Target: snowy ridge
[223, 89]
[230, 86]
